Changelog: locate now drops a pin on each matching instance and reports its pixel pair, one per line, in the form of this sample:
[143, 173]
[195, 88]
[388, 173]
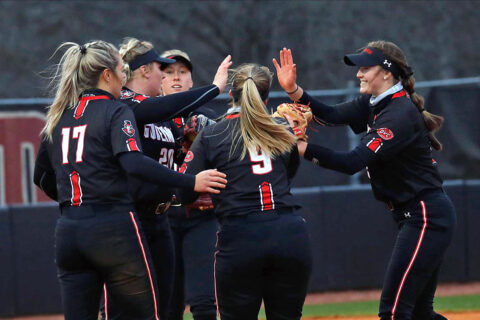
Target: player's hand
[210, 181]
[286, 70]
[221, 77]
[301, 144]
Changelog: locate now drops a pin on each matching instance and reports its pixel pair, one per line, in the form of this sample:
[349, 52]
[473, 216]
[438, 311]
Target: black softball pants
[97, 244]
[425, 231]
[194, 240]
[159, 238]
[265, 256]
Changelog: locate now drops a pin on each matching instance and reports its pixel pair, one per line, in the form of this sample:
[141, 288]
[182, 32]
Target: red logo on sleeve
[385, 133]
[183, 168]
[189, 156]
[128, 128]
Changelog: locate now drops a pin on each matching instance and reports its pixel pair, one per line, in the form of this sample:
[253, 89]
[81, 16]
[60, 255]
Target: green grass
[365, 308]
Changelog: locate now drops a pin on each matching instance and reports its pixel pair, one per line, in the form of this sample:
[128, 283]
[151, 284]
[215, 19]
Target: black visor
[147, 58]
[372, 57]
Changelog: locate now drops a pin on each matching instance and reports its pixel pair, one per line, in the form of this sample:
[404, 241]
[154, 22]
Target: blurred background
[351, 232]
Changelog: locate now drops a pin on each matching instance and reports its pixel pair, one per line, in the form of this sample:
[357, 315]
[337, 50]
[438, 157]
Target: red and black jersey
[86, 142]
[256, 183]
[396, 146]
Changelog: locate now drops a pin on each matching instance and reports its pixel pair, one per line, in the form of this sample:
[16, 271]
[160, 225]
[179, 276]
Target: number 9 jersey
[86, 142]
[256, 183]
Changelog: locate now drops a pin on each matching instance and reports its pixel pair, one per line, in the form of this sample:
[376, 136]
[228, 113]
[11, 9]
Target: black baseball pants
[425, 231]
[103, 244]
[265, 256]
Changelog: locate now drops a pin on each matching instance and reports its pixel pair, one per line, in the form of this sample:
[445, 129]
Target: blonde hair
[432, 121]
[130, 49]
[79, 69]
[250, 87]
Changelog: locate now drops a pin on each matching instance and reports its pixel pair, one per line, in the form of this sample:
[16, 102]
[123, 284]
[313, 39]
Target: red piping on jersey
[232, 116]
[132, 145]
[419, 243]
[139, 238]
[399, 94]
[82, 104]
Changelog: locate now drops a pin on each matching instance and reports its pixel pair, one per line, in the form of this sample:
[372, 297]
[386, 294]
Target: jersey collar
[97, 92]
[392, 90]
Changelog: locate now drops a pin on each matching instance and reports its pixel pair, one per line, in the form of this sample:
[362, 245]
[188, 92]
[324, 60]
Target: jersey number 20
[262, 163]
[79, 134]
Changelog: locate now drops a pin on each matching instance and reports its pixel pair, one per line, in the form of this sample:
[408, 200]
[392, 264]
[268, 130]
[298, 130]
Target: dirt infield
[451, 289]
[449, 315]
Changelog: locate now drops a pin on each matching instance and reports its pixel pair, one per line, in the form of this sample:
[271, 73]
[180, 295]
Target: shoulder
[131, 98]
[403, 107]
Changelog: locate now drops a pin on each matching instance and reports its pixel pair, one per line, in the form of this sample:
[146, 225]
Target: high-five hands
[221, 77]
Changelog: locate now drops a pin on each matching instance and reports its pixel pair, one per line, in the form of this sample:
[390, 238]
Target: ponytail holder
[408, 72]
[421, 110]
[249, 78]
[83, 49]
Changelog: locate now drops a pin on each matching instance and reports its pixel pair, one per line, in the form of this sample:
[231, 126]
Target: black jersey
[158, 142]
[396, 133]
[255, 183]
[86, 142]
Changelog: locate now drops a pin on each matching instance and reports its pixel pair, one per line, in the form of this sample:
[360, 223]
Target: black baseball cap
[148, 57]
[372, 57]
[179, 56]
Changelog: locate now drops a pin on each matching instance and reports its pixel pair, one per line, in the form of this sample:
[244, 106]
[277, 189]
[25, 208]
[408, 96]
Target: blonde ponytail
[79, 69]
[258, 131]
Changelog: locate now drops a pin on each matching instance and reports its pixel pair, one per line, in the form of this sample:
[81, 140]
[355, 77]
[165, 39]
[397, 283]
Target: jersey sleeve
[123, 131]
[194, 162]
[353, 113]
[196, 158]
[391, 132]
[44, 174]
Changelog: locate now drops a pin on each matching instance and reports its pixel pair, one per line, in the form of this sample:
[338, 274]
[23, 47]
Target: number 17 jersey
[86, 142]
[256, 183]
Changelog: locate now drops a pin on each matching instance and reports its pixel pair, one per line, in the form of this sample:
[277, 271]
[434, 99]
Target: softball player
[263, 249]
[142, 93]
[90, 144]
[396, 151]
[194, 230]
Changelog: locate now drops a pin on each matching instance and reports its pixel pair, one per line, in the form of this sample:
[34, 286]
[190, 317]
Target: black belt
[256, 216]
[393, 206]
[93, 210]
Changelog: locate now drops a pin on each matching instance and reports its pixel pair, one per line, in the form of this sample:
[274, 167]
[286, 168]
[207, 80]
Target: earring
[385, 78]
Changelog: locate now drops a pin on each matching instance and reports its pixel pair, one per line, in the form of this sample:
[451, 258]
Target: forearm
[345, 162]
[164, 108]
[142, 167]
[46, 182]
[325, 113]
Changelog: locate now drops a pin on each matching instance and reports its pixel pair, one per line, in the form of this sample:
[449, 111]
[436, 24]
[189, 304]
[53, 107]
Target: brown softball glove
[300, 114]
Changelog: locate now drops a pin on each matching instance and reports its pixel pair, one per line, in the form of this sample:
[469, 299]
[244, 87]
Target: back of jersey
[86, 141]
[255, 183]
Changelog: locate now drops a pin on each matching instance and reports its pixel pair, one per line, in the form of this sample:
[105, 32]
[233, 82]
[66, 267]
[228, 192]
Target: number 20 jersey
[86, 143]
[256, 183]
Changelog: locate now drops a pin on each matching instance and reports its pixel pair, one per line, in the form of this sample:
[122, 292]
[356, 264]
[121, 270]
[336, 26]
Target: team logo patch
[128, 128]
[385, 133]
[189, 156]
[126, 94]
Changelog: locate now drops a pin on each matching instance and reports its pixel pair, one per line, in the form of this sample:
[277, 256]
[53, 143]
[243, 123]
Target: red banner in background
[19, 143]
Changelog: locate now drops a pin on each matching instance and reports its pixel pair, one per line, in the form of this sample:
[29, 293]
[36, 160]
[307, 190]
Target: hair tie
[408, 72]
[83, 49]
[249, 78]
[421, 110]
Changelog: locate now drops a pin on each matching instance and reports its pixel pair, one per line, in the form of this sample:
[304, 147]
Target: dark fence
[352, 237]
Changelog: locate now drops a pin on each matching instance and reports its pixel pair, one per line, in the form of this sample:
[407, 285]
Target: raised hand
[210, 181]
[221, 77]
[286, 71]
